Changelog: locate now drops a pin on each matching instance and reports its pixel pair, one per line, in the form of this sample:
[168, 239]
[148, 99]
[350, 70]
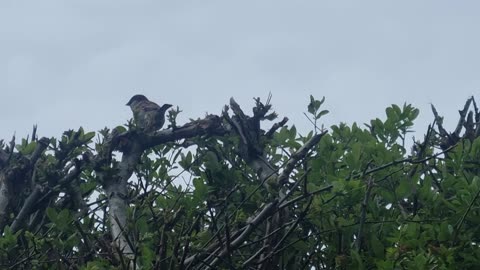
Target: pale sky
[69, 63]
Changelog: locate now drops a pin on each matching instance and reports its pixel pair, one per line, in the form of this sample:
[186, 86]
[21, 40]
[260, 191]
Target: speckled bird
[148, 116]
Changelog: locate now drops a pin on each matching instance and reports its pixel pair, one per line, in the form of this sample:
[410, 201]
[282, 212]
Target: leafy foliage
[358, 199]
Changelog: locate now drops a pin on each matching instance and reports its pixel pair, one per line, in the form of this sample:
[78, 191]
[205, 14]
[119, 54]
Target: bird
[148, 116]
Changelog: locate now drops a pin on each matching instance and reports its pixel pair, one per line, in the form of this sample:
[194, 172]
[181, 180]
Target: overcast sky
[69, 63]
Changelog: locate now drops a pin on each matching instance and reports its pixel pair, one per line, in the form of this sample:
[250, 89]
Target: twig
[462, 219]
[363, 213]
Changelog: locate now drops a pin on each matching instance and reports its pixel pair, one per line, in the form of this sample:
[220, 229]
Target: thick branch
[133, 143]
[39, 195]
[297, 156]
[13, 177]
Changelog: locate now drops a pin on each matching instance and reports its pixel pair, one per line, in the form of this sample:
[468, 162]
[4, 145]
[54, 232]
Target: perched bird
[148, 116]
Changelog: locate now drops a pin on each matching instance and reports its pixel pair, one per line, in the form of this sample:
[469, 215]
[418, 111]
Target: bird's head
[137, 98]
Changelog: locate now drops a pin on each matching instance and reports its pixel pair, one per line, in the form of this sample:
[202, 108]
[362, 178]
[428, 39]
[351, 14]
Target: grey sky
[69, 63]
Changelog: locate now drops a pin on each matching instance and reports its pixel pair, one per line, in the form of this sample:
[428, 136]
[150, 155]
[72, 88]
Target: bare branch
[297, 156]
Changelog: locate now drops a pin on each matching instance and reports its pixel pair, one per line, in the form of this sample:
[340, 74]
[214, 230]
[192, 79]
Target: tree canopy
[246, 191]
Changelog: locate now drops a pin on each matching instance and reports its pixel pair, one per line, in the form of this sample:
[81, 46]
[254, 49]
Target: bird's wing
[150, 106]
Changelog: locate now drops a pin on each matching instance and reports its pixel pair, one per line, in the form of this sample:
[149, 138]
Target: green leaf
[322, 113]
[414, 114]
[377, 246]
[420, 261]
[322, 100]
[88, 136]
[186, 160]
[63, 220]
[120, 129]
[396, 109]
[390, 113]
[293, 132]
[412, 230]
[148, 256]
[404, 189]
[142, 225]
[444, 234]
[9, 238]
[357, 261]
[27, 149]
[312, 105]
[475, 185]
[339, 186]
[52, 214]
[201, 189]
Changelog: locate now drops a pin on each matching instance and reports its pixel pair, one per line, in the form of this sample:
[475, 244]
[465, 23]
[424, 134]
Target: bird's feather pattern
[148, 116]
